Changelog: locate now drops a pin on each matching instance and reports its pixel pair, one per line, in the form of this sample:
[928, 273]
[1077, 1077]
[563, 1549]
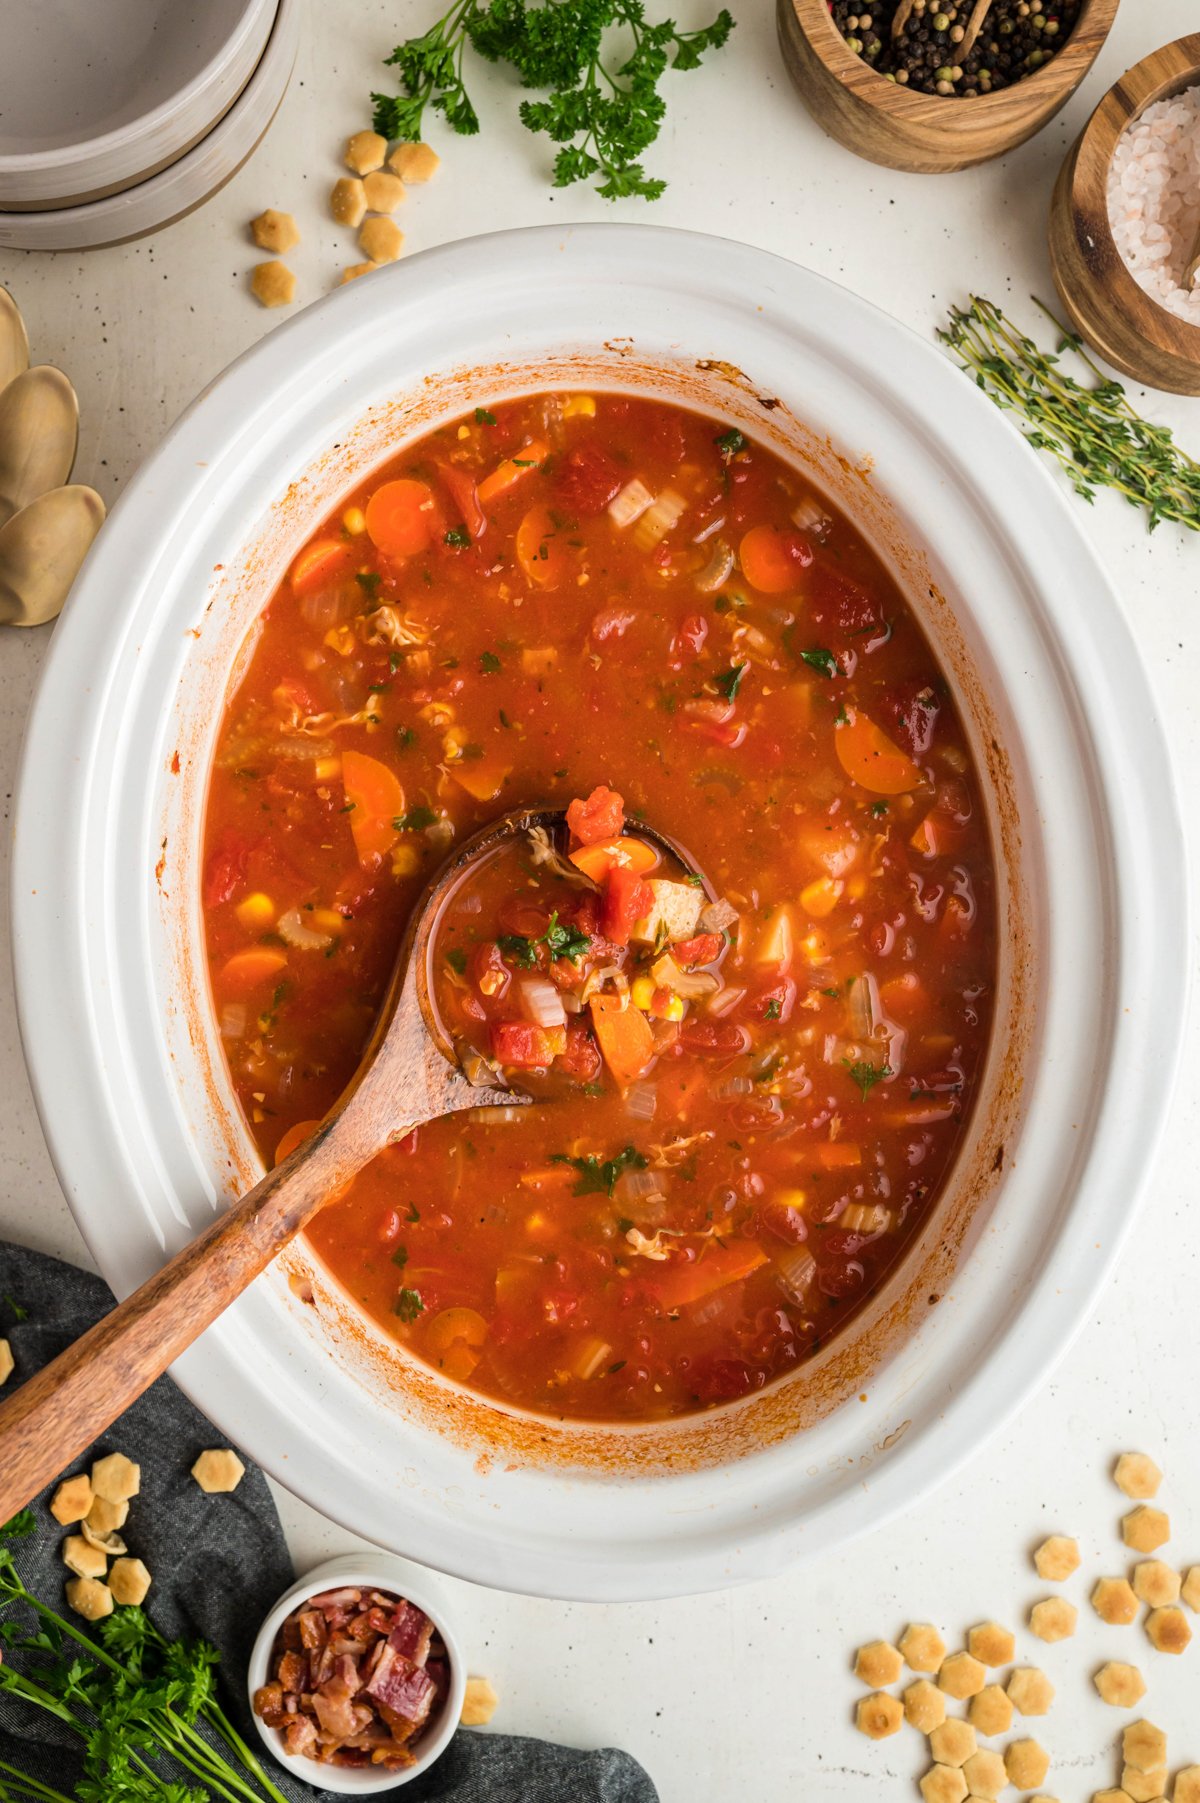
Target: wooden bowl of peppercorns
[937, 85]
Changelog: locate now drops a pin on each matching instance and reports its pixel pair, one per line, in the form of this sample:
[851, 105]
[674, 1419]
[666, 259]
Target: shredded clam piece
[676, 1151]
[544, 852]
[387, 626]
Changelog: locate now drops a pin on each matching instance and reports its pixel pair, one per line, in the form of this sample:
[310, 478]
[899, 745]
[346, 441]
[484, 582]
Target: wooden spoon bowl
[932, 134]
[409, 1073]
[1105, 303]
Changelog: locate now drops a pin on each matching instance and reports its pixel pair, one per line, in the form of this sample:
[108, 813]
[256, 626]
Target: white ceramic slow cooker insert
[123, 1052]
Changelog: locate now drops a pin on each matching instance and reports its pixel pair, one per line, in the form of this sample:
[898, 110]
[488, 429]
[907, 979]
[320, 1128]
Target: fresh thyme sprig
[1091, 430]
[604, 112]
[134, 1701]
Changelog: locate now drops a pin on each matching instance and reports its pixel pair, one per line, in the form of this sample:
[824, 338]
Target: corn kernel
[328, 920]
[405, 861]
[579, 406]
[258, 910]
[789, 1198]
[328, 770]
[355, 521]
[641, 993]
[453, 742]
[340, 639]
[666, 1006]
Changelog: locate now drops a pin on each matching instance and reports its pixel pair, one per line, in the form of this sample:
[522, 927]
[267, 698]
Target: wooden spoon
[409, 1074]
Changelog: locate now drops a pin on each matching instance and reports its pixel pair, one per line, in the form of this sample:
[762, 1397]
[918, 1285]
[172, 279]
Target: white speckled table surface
[747, 1692]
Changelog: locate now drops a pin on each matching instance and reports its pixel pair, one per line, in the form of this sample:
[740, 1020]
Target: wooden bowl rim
[1065, 70]
[1109, 121]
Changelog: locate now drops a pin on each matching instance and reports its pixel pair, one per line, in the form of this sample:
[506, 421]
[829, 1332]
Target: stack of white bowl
[119, 116]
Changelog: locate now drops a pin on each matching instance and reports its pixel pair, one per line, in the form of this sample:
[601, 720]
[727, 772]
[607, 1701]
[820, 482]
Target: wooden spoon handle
[56, 1414]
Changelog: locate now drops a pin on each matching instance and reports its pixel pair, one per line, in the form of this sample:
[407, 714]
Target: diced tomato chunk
[587, 479]
[721, 1038]
[839, 607]
[627, 899]
[225, 870]
[700, 950]
[520, 1046]
[689, 638]
[601, 816]
[462, 491]
[582, 1056]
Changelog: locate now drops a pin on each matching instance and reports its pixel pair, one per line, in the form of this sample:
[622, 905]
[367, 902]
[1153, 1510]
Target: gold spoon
[41, 549]
[39, 433]
[410, 1073]
[14, 340]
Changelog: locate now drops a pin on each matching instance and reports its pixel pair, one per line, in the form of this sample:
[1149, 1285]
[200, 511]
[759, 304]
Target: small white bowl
[113, 90]
[185, 183]
[382, 1571]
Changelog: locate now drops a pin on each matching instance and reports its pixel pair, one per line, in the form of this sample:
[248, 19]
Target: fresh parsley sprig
[603, 109]
[560, 941]
[598, 1176]
[1089, 428]
[143, 1709]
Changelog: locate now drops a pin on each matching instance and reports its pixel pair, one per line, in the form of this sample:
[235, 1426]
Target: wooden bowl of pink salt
[1125, 222]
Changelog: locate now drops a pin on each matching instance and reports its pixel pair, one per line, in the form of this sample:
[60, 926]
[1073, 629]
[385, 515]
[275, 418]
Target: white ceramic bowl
[112, 90]
[399, 1578]
[185, 183]
[134, 1095]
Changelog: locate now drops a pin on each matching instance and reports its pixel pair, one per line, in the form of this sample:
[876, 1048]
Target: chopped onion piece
[725, 1001]
[471, 903]
[540, 1002]
[630, 504]
[717, 570]
[734, 1086]
[641, 1099]
[658, 519]
[233, 1020]
[321, 609]
[717, 916]
[589, 1356]
[292, 929]
[634, 1186]
[691, 984]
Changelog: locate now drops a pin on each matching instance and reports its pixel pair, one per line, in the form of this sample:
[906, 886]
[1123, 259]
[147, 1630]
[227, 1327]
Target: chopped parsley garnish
[624, 1224]
[456, 958]
[865, 1075]
[505, 721]
[730, 681]
[400, 1256]
[773, 1010]
[697, 882]
[459, 537]
[599, 63]
[413, 1212]
[598, 1177]
[524, 463]
[730, 443]
[489, 663]
[409, 1305]
[483, 417]
[821, 659]
[560, 942]
[841, 718]
[406, 738]
[368, 581]
[879, 809]
[619, 1366]
[415, 821]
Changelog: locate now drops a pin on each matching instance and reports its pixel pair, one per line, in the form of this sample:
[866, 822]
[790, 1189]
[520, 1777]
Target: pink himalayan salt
[1154, 200]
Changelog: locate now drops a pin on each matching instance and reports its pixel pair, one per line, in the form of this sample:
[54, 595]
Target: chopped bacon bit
[349, 1684]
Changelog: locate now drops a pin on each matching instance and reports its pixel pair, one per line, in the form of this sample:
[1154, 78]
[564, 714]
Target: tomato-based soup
[752, 1063]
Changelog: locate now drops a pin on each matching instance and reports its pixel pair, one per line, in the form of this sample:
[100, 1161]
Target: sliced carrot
[543, 548]
[530, 457]
[245, 970]
[772, 560]
[480, 777]
[869, 757]
[603, 855]
[715, 1268]
[625, 1039]
[835, 1155]
[551, 1176]
[820, 898]
[322, 561]
[376, 801]
[295, 1136]
[462, 1325]
[402, 517]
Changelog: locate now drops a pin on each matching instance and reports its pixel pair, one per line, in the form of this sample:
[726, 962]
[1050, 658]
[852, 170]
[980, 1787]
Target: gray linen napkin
[218, 1565]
